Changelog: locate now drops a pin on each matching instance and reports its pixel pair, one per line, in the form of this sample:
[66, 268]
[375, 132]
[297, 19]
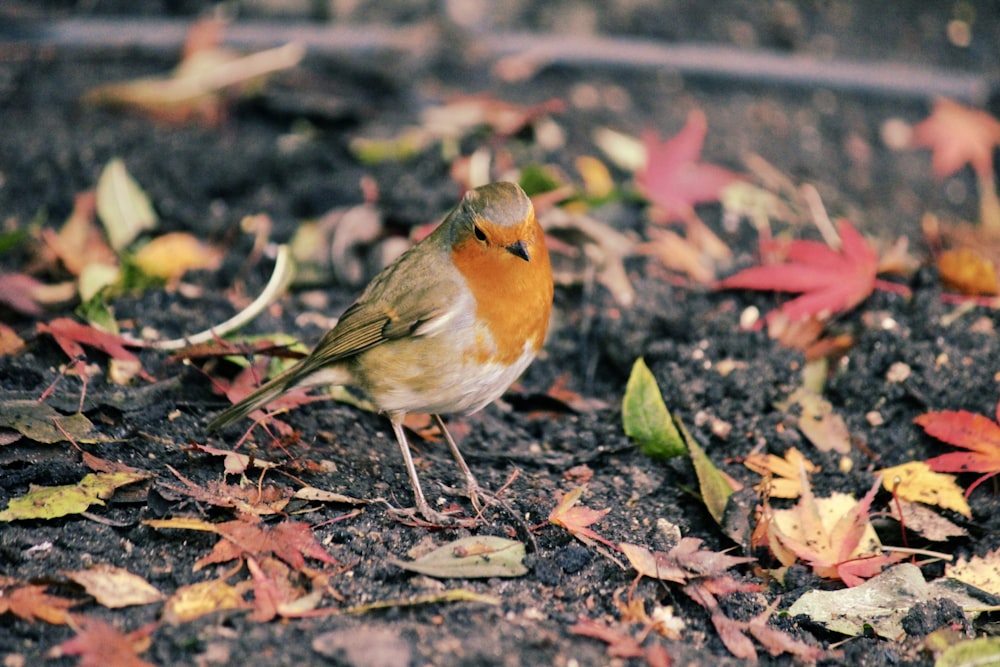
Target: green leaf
[38, 421]
[715, 487]
[122, 205]
[471, 557]
[51, 502]
[971, 653]
[646, 418]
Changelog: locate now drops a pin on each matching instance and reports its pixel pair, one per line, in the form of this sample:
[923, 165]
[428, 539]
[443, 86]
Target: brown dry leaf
[578, 519]
[32, 603]
[983, 572]
[205, 597]
[588, 249]
[818, 422]
[925, 521]
[100, 644]
[115, 587]
[172, 255]
[203, 84]
[967, 271]
[80, 242]
[620, 643]
[785, 472]
[290, 541]
[682, 563]
[916, 481]
[262, 500]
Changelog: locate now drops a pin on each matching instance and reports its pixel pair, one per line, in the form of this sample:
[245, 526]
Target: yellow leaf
[916, 482]
[172, 255]
[50, 502]
[115, 587]
[196, 600]
[786, 478]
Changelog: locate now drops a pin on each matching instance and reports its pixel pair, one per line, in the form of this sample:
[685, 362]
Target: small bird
[445, 329]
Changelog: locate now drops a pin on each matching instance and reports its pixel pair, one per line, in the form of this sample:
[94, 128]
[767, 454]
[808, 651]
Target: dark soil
[205, 180]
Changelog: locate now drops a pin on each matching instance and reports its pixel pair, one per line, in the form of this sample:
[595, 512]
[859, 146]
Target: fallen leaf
[100, 644]
[578, 519]
[983, 572]
[451, 595]
[830, 281]
[716, 487]
[471, 557]
[971, 653]
[115, 587]
[199, 599]
[832, 535]
[645, 416]
[818, 422]
[31, 603]
[673, 178]
[968, 272]
[51, 502]
[170, 256]
[686, 561]
[979, 436]
[38, 421]
[71, 336]
[916, 481]
[958, 135]
[620, 643]
[783, 473]
[289, 541]
[590, 247]
[925, 521]
[122, 205]
[80, 242]
[202, 85]
[880, 603]
[17, 291]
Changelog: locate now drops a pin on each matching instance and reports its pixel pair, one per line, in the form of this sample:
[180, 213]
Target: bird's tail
[263, 395]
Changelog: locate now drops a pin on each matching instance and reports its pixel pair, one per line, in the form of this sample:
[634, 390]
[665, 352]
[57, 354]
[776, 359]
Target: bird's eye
[478, 232]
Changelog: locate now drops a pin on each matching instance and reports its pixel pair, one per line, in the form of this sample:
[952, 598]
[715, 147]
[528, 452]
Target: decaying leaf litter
[613, 498]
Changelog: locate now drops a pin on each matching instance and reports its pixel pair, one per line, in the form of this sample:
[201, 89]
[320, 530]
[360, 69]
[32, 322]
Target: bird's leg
[472, 487]
[422, 507]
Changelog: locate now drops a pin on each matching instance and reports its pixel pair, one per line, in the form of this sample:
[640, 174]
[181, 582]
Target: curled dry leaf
[785, 472]
[598, 248]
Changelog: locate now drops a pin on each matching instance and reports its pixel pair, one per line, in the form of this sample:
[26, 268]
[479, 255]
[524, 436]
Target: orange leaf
[577, 519]
[968, 272]
[100, 644]
[32, 602]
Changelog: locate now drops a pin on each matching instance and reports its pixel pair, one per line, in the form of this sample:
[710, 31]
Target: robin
[445, 329]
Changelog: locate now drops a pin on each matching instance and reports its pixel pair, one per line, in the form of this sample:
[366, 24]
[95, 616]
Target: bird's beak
[519, 249]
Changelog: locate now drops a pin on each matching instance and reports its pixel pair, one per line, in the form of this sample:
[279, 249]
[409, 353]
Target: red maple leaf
[830, 281]
[958, 135]
[71, 336]
[673, 178]
[977, 434]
